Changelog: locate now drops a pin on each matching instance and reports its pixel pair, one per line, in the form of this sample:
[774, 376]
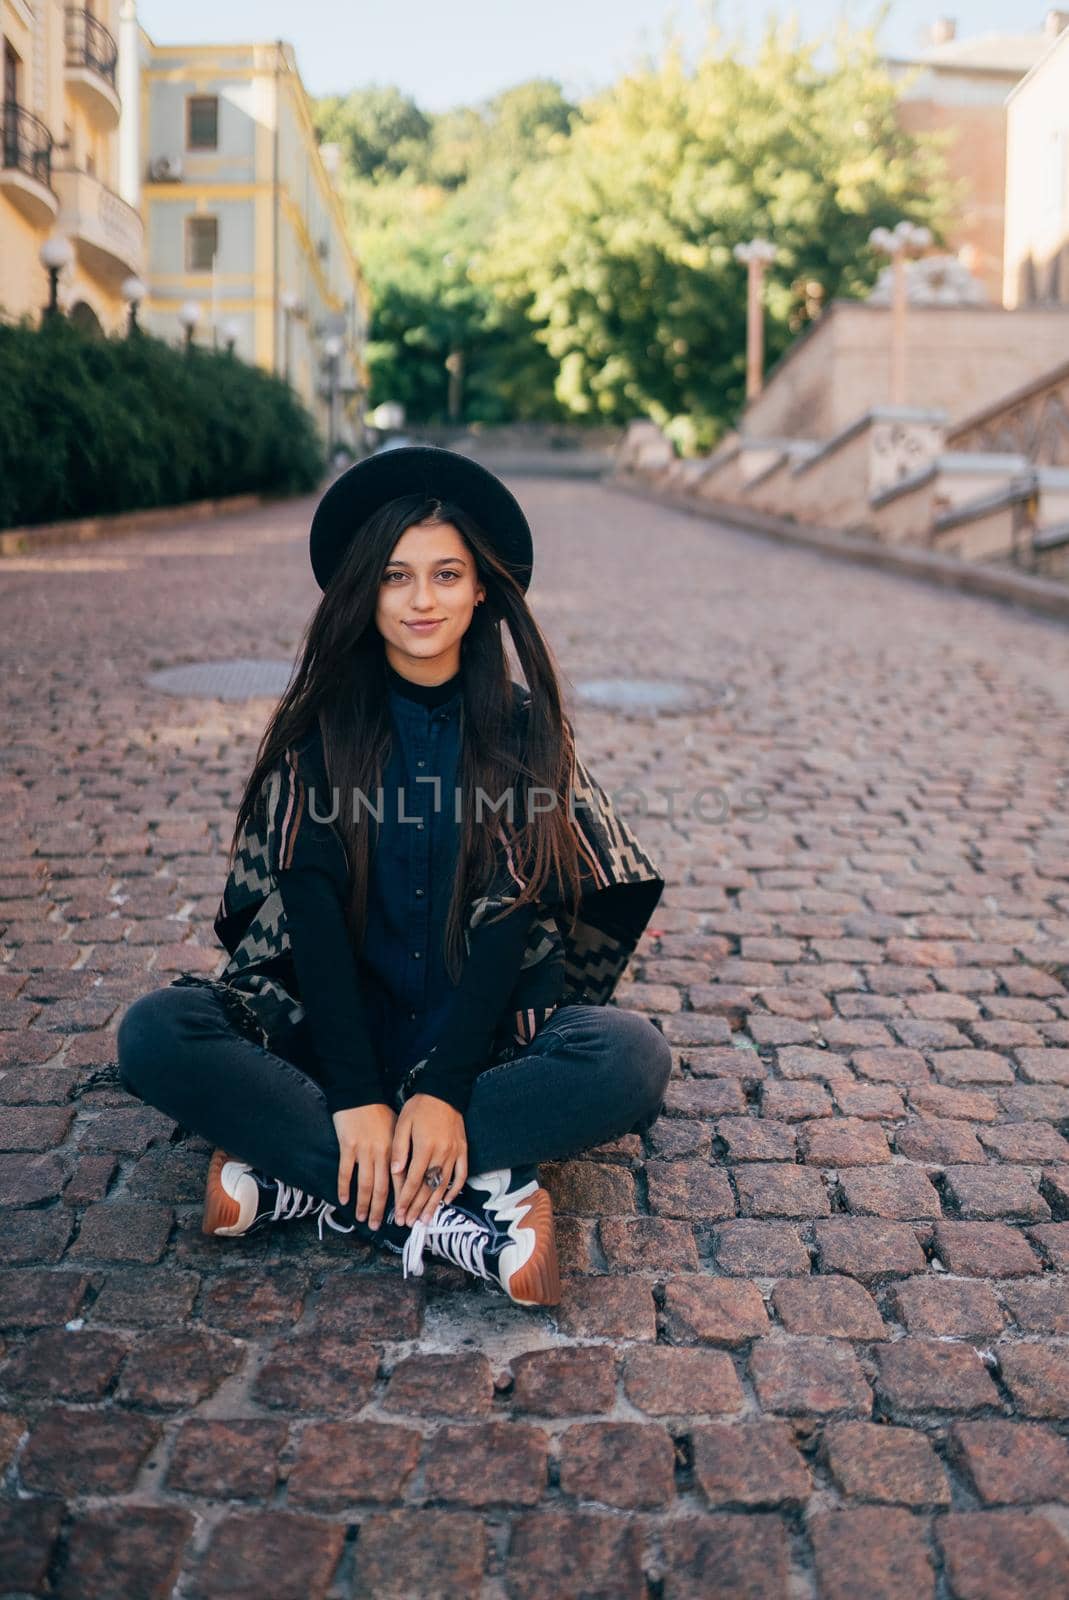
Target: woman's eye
[390, 575]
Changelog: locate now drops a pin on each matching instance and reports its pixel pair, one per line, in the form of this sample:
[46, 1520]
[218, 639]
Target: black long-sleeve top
[371, 1017]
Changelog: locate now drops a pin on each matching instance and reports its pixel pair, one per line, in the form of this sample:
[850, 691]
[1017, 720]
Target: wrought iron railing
[89, 44]
[26, 143]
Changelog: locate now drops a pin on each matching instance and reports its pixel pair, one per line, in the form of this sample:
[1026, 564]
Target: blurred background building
[65, 91]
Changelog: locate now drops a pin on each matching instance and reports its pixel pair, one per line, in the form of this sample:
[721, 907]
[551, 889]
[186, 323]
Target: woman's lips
[422, 627]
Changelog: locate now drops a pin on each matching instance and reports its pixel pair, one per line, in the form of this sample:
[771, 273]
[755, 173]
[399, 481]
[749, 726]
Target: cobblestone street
[814, 1338]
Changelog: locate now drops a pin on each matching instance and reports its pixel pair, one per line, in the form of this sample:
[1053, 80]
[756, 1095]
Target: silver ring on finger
[433, 1177]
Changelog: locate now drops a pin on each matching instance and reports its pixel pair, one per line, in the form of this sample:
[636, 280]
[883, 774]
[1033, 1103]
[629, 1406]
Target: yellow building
[245, 227]
[1037, 183]
[65, 82]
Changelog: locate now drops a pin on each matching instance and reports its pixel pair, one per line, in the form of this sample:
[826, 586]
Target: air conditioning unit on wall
[165, 169]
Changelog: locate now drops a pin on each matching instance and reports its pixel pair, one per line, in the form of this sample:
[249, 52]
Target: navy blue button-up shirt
[413, 864]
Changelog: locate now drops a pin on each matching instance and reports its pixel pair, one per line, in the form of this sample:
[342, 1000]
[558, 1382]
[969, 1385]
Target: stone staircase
[992, 489]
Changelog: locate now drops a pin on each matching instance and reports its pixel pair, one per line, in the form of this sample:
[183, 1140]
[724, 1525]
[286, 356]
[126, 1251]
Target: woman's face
[430, 577]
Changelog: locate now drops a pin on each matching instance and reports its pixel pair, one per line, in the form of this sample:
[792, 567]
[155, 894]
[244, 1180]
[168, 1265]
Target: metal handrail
[89, 44]
[26, 143]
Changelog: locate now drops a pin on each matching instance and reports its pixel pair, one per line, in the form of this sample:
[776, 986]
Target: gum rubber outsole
[220, 1210]
[537, 1282]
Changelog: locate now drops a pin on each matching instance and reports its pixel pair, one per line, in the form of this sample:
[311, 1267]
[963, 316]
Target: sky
[446, 53]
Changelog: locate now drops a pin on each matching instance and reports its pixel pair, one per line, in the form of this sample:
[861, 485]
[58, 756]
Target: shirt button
[419, 827]
[421, 763]
[411, 1016]
[416, 955]
[420, 893]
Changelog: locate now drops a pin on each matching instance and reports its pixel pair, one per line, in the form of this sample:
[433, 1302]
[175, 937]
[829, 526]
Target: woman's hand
[365, 1138]
[431, 1132]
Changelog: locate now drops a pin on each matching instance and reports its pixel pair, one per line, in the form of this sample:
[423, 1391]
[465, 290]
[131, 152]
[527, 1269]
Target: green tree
[618, 243]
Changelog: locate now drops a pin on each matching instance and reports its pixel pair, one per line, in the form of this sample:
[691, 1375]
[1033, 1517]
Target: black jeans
[590, 1074]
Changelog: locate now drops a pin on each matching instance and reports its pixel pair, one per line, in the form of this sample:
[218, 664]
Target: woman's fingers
[380, 1192]
[365, 1176]
[345, 1172]
[402, 1144]
[460, 1178]
[417, 1168]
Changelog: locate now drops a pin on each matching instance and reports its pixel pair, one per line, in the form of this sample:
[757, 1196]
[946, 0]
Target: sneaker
[239, 1198]
[499, 1227]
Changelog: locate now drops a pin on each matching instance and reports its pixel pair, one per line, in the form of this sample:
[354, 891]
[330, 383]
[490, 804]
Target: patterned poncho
[620, 886]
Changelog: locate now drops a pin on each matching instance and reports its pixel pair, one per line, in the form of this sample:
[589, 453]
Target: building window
[202, 242]
[202, 122]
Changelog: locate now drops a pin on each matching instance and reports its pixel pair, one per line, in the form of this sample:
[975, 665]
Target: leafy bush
[92, 426]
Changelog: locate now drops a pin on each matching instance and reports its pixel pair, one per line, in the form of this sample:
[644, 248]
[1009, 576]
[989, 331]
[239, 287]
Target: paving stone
[664, 1381]
[610, 1308]
[952, 1308]
[86, 1452]
[897, 1466]
[486, 1463]
[140, 1297]
[922, 1375]
[29, 1530]
[1012, 1463]
[1043, 1066]
[125, 1550]
[116, 1230]
[33, 1297]
[899, 1192]
[34, 1127]
[988, 1192]
[683, 1137]
[880, 1101]
[647, 1244]
[1025, 1141]
[339, 1464]
[442, 1385]
[879, 1552]
[756, 1139]
[705, 1097]
[1037, 1377]
[832, 1306]
[809, 1377]
[317, 1372]
[935, 1142]
[574, 1553]
[1039, 1305]
[891, 1066]
[748, 1552]
[746, 1248]
[589, 1188]
[749, 1464]
[565, 1382]
[271, 1300]
[794, 1102]
[726, 1311]
[867, 1248]
[1052, 1241]
[985, 1250]
[367, 1306]
[231, 1460]
[276, 1552]
[177, 1368]
[781, 1190]
[425, 1552]
[63, 1364]
[630, 1465]
[991, 1555]
[940, 1103]
[693, 1191]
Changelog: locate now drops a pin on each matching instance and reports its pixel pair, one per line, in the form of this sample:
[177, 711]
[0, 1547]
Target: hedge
[91, 426]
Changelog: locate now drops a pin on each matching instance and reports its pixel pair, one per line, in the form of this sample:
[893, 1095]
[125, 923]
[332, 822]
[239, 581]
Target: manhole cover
[659, 696]
[225, 680]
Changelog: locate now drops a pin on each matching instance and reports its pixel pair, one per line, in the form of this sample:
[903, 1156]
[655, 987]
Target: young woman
[429, 903]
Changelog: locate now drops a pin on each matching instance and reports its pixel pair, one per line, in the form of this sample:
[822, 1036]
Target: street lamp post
[291, 307]
[756, 254]
[901, 241]
[56, 253]
[230, 331]
[133, 292]
[332, 349]
[189, 316]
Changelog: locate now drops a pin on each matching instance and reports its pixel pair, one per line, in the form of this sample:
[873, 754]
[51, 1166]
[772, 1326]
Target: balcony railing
[27, 143]
[89, 44]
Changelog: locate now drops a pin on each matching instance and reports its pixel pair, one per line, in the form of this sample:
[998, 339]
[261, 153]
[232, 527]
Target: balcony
[108, 235]
[26, 170]
[92, 55]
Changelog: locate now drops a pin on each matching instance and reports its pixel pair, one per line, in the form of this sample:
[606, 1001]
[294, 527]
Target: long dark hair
[341, 680]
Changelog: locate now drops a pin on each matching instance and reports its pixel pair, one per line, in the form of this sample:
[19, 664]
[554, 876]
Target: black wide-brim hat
[415, 469]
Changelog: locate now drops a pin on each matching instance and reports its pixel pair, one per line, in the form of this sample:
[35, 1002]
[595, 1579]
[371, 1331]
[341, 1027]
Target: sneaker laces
[451, 1234]
[290, 1203]
[326, 1214]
